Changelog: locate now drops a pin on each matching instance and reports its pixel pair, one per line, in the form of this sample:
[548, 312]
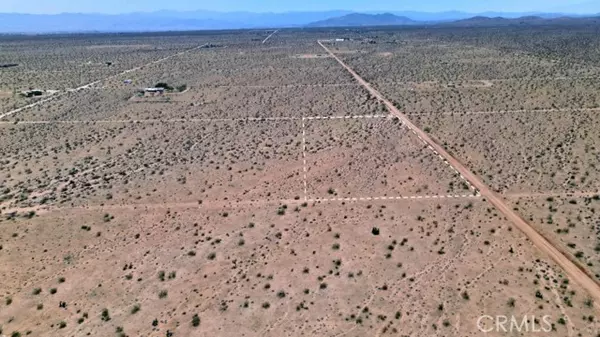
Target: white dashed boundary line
[304, 159]
[89, 85]
[347, 117]
[459, 114]
[406, 197]
[315, 85]
[193, 120]
[172, 120]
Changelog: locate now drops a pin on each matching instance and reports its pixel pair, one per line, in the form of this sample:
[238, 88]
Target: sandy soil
[571, 267]
[275, 199]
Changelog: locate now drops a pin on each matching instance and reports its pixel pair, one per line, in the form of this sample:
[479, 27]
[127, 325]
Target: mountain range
[204, 20]
[359, 19]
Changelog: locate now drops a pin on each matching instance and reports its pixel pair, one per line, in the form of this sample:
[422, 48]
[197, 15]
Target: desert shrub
[465, 295]
[105, 316]
[163, 85]
[195, 320]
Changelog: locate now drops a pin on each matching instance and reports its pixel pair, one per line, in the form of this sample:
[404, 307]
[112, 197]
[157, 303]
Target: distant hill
[495, 21]
[358, 19]
[483, 21]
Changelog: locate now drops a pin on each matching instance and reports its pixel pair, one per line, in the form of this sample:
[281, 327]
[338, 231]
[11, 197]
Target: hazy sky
[125, 6]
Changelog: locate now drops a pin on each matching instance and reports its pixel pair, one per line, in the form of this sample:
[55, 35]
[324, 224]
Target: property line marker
[188, 120]
[304, 159]
[407, 197]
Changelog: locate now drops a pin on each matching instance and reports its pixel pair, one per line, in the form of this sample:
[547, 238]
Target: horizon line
[306, 11]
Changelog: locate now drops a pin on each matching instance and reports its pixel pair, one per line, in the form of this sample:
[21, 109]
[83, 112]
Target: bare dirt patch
[373, 158]
[571, 222]
[258, 272]
[111, 164]
[543, 151]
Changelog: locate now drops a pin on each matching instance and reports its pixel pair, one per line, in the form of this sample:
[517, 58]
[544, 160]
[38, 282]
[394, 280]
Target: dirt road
[576, 272]
[268, 37]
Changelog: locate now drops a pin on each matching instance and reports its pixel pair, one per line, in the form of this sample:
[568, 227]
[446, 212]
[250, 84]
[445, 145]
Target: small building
[32, 93]
[155, 90]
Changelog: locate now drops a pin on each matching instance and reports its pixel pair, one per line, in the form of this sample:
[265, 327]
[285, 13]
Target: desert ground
[401, 182]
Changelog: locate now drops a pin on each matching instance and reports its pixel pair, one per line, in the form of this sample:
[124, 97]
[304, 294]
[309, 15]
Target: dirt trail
[571, 267]
[43, 209]
[268, 37]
